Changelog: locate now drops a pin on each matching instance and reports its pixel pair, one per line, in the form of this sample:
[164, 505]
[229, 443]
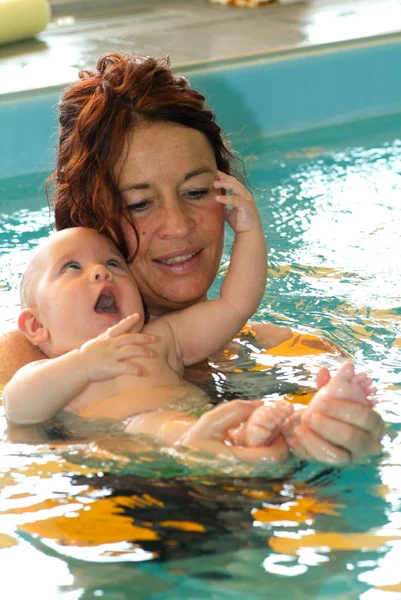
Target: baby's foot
[344, 384]
[263, 426]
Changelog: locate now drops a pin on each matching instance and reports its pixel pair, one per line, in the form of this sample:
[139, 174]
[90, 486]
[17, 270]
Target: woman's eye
[197, 194]
[138, 206]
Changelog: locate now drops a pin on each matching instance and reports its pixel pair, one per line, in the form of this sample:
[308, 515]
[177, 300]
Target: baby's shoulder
[166, 341]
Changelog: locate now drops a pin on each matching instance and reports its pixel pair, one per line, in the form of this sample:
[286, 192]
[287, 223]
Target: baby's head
[75, 286]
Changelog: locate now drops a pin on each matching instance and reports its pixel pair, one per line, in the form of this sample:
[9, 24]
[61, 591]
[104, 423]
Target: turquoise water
[100, 520]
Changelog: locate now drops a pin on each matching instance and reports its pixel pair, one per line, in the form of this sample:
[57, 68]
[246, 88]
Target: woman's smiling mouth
[179, 262]
[177, 259]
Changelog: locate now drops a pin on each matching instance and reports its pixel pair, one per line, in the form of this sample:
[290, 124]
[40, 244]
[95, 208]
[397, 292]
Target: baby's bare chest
[126, 395]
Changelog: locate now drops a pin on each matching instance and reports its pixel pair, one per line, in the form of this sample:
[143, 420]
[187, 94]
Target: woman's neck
[154, 312]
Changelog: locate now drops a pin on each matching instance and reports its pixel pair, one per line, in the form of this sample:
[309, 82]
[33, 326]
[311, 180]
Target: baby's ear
[29, 325]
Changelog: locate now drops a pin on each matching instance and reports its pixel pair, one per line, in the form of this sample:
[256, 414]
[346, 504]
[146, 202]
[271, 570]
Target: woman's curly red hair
[96, 115]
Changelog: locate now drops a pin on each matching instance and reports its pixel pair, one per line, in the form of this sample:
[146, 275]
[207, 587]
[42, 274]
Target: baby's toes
[343, 385]
[237, 435]
[266, 422]
[366, 383]
[345, 373]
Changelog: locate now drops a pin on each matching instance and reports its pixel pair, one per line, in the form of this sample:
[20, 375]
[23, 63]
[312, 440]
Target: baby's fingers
[128, 367]
[124, 326]
[132, 351]
[230, 184]
[236, 201]
[134, 339]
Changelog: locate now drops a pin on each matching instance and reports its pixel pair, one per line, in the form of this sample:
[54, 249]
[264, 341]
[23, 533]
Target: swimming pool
[99, 522]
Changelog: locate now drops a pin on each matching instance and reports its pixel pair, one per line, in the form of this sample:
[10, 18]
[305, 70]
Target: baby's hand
[110, 354]
[244, 215]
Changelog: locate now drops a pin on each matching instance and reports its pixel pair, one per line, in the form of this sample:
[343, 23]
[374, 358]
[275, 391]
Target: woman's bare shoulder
[15, 352]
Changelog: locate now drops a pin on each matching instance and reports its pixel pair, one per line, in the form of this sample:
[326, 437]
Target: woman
[138, 154]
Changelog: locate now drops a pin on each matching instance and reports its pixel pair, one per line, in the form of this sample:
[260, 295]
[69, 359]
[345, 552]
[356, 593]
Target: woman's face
[166, 175]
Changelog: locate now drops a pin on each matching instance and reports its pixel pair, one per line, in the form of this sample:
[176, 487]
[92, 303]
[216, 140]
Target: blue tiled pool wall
[253, 98]
[304, 91]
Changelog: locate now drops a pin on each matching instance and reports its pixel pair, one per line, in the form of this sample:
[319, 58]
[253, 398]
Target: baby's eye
[71, 265]
[114, 262]
[138, 206]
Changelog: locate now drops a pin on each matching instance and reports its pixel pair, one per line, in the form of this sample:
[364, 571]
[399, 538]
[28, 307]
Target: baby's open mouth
[106, 303]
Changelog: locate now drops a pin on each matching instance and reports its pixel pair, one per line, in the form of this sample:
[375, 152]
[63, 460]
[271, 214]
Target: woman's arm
[15, 352]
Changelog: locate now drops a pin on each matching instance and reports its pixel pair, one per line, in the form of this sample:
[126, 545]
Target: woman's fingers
[343, 430]
[276, 452]
[306, 444]
[357, 440]
[216, 423]
[352, 413]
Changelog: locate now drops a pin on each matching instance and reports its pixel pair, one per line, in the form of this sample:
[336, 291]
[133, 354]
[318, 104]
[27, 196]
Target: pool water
[102, 520]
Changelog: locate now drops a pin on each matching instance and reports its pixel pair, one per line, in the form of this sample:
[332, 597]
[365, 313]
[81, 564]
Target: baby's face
[84, 286]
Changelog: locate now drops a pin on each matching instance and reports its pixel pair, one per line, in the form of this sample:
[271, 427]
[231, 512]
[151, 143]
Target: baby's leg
[344, 384]
[263, 426]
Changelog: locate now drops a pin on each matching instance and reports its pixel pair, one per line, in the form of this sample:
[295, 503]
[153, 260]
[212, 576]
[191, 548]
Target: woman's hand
[216, 430]
[340, 425]
[111, 353]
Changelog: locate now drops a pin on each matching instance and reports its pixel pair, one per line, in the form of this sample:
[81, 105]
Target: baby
[81, 306]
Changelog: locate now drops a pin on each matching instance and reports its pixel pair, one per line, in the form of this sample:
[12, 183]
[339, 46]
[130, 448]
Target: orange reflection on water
[298, 511]
[96, 523]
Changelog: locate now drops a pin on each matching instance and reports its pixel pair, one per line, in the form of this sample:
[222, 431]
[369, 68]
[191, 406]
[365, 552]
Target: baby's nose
[101, 272]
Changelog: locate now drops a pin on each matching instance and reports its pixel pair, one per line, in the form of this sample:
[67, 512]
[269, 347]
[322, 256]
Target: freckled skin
[176, 213]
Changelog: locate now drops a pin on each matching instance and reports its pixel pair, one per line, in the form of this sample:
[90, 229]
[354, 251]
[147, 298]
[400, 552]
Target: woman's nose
[100, 273]
[176, 221]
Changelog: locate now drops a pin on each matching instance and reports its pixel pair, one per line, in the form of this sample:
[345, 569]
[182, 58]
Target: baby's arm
[204, 328]
[213, 432]
[42, 388]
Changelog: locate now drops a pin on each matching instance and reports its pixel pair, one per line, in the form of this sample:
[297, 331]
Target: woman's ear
[29, 325]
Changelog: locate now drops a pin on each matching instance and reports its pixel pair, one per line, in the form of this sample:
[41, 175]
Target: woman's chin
[175, 300]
